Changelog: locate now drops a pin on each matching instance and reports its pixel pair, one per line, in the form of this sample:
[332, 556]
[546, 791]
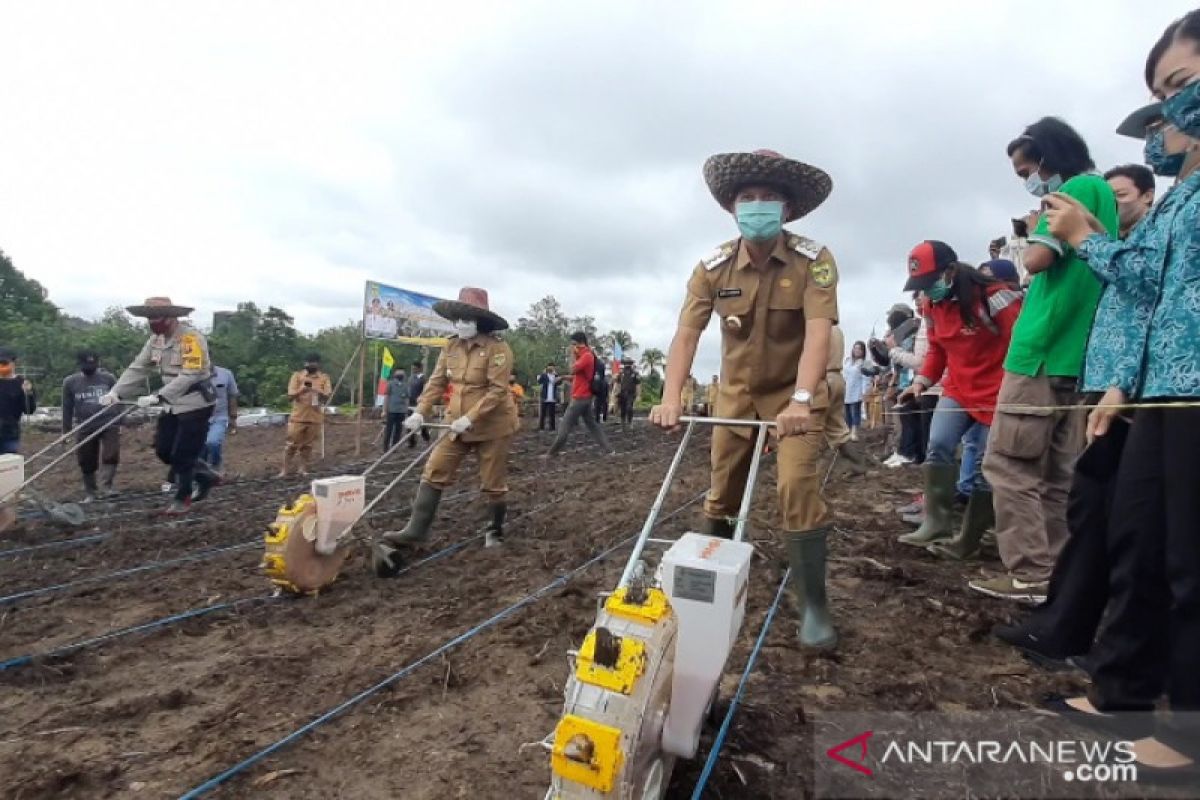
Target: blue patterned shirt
[1146, 337]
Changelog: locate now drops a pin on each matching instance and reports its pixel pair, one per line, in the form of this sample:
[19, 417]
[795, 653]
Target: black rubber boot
[108, 477]
[939, 506]
[90, 490]
[806, 554]
[206, 479]
[856, 458]
[722, 527]
[494, 536]
[386, 557]
[979, 517]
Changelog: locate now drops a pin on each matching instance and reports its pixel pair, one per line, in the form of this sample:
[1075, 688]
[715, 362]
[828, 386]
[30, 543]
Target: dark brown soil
[158, 713]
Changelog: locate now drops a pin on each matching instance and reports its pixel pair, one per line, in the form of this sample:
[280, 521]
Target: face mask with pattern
[1183, 109]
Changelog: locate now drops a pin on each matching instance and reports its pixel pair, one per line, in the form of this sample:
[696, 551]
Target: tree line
[263, 347]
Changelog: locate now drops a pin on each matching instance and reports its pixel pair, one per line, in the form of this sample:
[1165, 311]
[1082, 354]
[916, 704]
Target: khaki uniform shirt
[182, 361]
[309, 408]
[477, 371]
[837, 350]
[762, 315]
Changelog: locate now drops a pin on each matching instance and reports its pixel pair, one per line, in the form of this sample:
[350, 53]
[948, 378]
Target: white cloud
[285, 153]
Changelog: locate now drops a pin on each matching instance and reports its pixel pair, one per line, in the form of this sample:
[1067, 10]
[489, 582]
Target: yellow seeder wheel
[291, 559]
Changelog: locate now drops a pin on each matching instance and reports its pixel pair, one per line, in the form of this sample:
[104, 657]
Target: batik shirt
[1144, 340]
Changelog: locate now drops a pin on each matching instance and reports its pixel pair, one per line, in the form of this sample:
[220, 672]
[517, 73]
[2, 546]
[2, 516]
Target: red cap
[926, 262]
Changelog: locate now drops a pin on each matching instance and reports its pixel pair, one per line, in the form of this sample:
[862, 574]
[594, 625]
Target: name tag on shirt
[724, 293]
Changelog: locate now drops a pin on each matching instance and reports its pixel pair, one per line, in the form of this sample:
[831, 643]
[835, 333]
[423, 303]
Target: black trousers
[601, 406]
[89, 454]
[549, 414]
[178, 441]
[394, 428]
[1066, 624]
[626, 404]
[1151, 642]
[924, 418]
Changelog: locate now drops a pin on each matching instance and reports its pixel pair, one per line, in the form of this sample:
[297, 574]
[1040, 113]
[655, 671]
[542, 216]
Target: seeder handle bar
[408, 435]
[655, 510]
[730, 423]
[73, 448]
[344, 538]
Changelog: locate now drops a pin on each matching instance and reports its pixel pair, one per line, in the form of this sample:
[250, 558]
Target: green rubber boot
[939, 507]
[721, 527]
[979, 517]
[386, 556]
[806, 554]
[856, 458]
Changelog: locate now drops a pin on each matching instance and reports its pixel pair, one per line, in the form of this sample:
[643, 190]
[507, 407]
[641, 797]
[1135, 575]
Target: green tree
[652, 360]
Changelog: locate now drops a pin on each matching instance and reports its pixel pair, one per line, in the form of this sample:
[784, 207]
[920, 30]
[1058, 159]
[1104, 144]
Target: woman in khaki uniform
[475, 365]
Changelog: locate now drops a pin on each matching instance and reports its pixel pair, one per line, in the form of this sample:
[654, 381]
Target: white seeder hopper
[645, 677]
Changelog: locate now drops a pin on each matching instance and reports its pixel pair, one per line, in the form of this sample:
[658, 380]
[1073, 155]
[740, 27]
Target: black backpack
[599, 384]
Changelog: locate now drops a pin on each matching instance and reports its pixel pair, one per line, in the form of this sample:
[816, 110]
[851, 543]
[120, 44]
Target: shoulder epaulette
[804, 246]
[720, 255]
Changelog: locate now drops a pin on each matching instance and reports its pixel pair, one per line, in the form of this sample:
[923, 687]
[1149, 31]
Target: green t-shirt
[1052, 332]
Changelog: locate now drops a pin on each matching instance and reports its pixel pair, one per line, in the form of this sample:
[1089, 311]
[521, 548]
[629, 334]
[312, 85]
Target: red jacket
[971, 356]
[582, 372]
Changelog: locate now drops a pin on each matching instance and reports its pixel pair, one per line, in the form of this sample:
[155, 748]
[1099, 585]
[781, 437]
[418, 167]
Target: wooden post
[362, 365]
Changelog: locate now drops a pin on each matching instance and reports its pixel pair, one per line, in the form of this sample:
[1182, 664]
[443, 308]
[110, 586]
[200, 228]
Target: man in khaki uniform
[179, 353]
[309, 390]
[837, 432]
[476, 364]
[776, 296]
[710, 402]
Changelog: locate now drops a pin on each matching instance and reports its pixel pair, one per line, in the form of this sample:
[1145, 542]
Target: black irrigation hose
[203, 554]
[192, 613]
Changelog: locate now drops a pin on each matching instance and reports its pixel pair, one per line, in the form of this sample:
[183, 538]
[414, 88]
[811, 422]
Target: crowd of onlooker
[1051, 396]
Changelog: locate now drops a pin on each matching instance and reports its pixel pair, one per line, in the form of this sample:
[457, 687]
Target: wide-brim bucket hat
[805, 186]
[472, 303]
[159, 307]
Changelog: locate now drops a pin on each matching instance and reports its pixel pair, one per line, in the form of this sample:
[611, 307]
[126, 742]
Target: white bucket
[340, 501]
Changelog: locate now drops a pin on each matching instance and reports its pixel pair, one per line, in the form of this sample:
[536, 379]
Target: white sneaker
[167, 488]
[854, 434]
[897, 461]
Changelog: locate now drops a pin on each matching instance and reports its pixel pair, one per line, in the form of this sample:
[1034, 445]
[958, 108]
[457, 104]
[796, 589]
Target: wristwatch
[803, 397]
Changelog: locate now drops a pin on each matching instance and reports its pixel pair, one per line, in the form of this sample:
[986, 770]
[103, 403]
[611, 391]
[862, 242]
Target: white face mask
[466, 329]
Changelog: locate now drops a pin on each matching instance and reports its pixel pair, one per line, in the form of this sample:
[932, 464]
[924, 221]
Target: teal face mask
[939, 291]
[1158, 159]
[760, 220]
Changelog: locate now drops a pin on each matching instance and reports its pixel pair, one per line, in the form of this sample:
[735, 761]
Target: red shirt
[582, 372]
[972, 356]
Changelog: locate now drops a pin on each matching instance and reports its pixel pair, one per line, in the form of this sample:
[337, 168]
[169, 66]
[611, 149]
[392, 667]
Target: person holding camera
[309, 389]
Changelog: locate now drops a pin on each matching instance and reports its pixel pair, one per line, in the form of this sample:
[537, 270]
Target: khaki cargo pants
[837, 432]
[1031, 454]
[301, 436]
[798, 485]
[442, 468]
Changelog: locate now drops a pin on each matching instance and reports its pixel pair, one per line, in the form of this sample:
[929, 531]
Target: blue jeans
[950, 426]
[10, 446]
[972, 454]
[854, 414]
[217, 428]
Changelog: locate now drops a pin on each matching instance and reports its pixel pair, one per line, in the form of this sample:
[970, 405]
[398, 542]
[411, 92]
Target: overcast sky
[285, 152]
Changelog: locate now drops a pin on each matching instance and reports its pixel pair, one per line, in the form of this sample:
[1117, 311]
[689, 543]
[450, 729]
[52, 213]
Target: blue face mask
[1040, 188]
[760, 220]
[939, 291]
[1183, 110]
[1158, 159]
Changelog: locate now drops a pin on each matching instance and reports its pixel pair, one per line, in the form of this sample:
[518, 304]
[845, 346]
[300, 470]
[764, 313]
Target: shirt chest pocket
[166, 357]
[785, 309]
[735, 310]
[477, 367]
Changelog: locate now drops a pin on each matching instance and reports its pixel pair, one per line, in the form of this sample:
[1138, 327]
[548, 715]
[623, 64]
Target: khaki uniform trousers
[442, 468]
[797, 484]
[301, 436]
[837, 432]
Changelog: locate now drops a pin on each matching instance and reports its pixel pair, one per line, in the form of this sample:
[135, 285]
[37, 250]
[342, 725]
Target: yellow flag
[388, 361]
